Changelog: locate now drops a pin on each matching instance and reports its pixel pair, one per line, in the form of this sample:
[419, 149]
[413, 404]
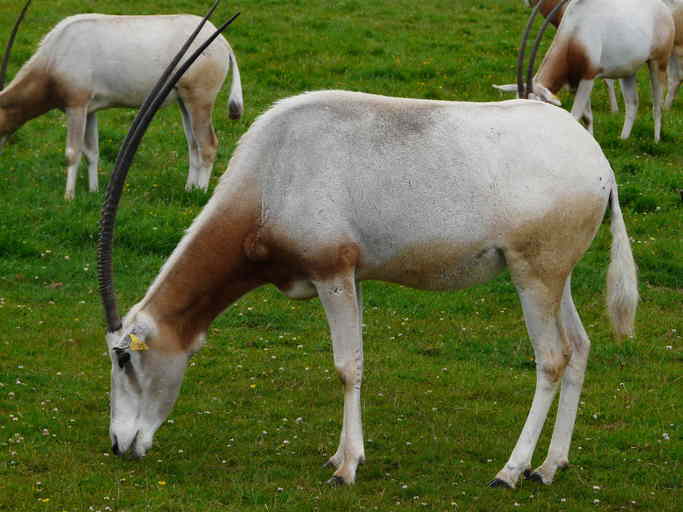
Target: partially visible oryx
[91, 62]
[676, 60]
[548, 6]
[330, 188]
[609, 39]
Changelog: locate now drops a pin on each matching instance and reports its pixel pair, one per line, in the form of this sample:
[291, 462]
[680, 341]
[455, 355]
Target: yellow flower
[252, 386]
[162, 482]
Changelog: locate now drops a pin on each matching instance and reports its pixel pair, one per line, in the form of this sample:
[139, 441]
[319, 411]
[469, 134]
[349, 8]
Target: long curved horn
[125, 157]
[10, 43]
[537, 43]
[522, 90]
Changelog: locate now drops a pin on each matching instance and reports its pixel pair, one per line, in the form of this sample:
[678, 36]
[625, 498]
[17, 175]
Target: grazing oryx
[545, 7]
[331, 188]
[676, 60]
[610, 39]
[91, 62]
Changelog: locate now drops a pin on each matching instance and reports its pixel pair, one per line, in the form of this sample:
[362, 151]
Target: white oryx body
[91, 62]
[330, 188]
[608, 39]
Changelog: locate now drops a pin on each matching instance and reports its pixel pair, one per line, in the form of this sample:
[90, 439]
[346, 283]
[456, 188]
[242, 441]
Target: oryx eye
[122, 357]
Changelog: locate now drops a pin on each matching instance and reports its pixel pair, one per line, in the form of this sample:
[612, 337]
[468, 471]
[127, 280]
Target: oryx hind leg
[570, 390]
[658, 72]
[629, 89]
[200, 116]
[612, 94]
[193, 153]
[339, 297]
[540, 293]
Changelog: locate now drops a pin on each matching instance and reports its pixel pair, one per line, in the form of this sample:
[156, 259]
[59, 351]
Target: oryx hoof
[336, 481]
[533, 476]
[497, 482]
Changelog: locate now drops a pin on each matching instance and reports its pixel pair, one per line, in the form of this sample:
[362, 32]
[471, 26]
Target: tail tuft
[622, 280]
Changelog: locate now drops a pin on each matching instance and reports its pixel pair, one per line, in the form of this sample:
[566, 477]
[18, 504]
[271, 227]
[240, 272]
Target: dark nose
[115, 447]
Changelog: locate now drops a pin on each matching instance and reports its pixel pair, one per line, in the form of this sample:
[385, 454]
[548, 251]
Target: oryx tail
[622, 284]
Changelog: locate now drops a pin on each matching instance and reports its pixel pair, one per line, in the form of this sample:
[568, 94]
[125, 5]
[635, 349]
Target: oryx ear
[543, 93]
[134, 341]
[506, 87]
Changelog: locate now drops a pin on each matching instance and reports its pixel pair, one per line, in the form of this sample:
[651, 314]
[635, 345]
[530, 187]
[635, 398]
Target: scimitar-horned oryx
[609, 39]
[331, 188]
[91, 62]
[548, 6]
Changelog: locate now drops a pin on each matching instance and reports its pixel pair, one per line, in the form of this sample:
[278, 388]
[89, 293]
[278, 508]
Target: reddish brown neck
[206, 275]
[28, 96]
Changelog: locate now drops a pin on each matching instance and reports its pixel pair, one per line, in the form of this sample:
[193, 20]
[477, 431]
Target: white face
[144, 387]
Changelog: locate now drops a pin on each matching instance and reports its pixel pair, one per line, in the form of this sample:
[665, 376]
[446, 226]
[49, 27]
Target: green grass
[449, 377]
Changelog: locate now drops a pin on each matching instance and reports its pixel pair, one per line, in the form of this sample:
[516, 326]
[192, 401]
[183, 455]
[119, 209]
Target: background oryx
[331, 188]
[545, 8]
[609, 39]
[91, 62]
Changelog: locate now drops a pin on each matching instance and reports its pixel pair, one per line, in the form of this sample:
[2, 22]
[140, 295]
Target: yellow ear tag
[137, 344]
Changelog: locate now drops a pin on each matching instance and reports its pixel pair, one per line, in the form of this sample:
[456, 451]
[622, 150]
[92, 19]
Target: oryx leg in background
[202, 143]
[581, 109]
[658, 80]
[82, 139]
[612, 94]
[76, 121]
[91, 150]
[629, 89]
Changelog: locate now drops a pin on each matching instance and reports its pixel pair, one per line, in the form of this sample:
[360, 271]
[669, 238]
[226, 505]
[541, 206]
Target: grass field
[449, 377]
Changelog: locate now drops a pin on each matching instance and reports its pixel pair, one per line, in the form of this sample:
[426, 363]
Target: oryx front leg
[581, 107]
[570, 391]
[339, 298]
[540, 302]
[76, 120]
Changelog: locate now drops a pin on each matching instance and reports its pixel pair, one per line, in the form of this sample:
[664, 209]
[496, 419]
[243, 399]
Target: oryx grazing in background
[91, 62]
[676, 60]
[330, 188]
[548, 6]
[608, 39]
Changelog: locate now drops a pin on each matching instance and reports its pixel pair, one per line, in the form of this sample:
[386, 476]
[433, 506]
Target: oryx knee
[72, 155]
[554, 365]
[350, 372]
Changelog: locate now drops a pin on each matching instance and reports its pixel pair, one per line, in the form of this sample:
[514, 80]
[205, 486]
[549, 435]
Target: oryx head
[145, 381]
[530, 89]
[147, 363]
